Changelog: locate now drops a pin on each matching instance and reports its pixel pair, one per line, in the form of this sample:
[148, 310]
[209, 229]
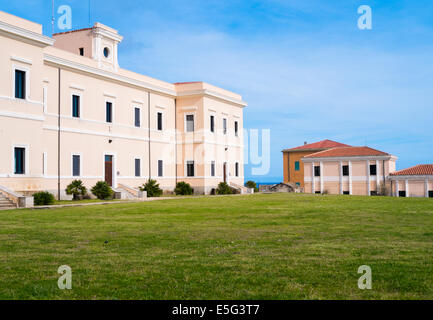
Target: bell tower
[99, 43]
[105, 42]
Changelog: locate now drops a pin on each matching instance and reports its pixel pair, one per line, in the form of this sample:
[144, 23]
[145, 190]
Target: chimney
[305, 143]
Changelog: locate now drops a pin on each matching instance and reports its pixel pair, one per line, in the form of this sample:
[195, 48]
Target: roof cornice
[26, 35]
[51, 59]
[212, 94]
[105, 74]
[410, 177]
[352, 158]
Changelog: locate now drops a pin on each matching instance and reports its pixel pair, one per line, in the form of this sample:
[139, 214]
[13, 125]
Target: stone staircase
[5, 203]
[241, 189]
[127, 192]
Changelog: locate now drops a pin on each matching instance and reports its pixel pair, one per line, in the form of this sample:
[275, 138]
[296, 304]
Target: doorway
[109, 170]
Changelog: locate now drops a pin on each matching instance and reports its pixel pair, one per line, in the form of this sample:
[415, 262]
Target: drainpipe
[175, 140]
[58, 138]
[148, 128]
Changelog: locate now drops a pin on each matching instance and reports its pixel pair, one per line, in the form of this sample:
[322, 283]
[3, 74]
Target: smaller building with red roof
[292, 163]
[416, 181]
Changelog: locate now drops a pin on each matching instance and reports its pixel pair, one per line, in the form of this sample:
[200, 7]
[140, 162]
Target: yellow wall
[290, 174]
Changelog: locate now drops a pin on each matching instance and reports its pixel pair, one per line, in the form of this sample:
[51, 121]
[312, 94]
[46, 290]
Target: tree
[152, 188]
[77, 189]
[102, 190]
[183, 189]
[224, 188]
[43, 198]
[252, 185]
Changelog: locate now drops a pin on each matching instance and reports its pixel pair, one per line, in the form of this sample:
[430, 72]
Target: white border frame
[80, 111]
[186, 168]
[141, 167]
[185, 125]
[114, 169]
[112, 101]
[72, 164]
[27, 88]
[133, 116]
[26, 160]
[162, 112]
[162, 168]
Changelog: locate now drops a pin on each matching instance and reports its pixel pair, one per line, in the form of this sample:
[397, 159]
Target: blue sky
[306, 70]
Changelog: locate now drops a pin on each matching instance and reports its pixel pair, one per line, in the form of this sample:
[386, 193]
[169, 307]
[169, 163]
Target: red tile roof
[348, 152]
[321, 145]
[419, 170]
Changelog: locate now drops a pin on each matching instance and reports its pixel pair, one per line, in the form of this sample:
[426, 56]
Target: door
[225, 172]
[109, 170]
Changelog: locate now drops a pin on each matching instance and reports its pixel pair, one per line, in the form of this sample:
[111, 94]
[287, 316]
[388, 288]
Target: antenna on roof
[90, 17]
[52, 19]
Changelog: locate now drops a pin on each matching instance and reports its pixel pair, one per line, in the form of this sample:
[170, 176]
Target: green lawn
[242, 247]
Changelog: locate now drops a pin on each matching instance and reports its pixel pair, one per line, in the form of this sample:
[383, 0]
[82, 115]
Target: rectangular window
[160, 121]
[317, 171]
[20, 160]
[190, 168]
[373, 170]
[137, 167]
[160, 168]
[189, 123]
[373, 193]
[212, 123]
[236, 128]
[76, 106]
[212, 169]
[225, 126]
[402, 194]
[297, 166]
[20, 84]
[346, 192]
[345, 170]
[318, 192]
[81, 51]
[298, 184]
[237, 169]
[137, 117]
[76, 165]
[430, 194]
[109, 112]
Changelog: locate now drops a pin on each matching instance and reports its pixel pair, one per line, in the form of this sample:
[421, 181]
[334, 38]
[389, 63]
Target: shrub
[183, 189]
[102, 190]
[152, 188]
[223, 188]
[43, 198]
[77, 189]
[252, 185]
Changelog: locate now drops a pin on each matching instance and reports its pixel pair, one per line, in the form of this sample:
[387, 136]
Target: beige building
[69, 111]
[413, 182]
[347, 170]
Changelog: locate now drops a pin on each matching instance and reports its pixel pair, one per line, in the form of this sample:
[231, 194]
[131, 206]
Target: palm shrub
[152, 188]
[76, 189]
[183, 189]
[252, 185]
[43, 198]
[102, 190]
[223, 188]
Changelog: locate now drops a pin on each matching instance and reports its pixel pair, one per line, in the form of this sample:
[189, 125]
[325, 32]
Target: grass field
[242, 247]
